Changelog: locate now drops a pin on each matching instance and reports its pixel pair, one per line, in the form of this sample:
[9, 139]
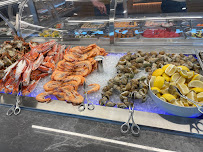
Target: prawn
[51, 85]
[77, 98]
[95, 87]
[59, 95]
[41, 97]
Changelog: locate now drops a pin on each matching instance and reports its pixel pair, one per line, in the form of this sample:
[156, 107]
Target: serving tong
[90, 105]
[200, 108]
[125, 128]
[15, 109]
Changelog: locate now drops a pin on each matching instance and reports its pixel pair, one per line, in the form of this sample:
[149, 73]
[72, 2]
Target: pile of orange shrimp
[78, 62]
[34, 65]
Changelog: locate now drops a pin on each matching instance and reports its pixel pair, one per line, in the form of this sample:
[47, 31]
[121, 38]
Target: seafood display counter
[69, 66]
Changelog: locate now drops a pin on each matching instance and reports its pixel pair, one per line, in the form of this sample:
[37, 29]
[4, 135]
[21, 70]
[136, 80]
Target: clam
[148, 69]
[125, 93]
[110, 104]
[139, 59]
[162, 52]
[121, 105]
[103, 101]
[153, 60]
[146, 64]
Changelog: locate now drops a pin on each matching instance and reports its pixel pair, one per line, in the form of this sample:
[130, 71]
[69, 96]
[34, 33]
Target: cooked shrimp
[60, 76]
[68, 95]
[77, 98]
[41, 97]
[64, 64]
[51, 85]
[73, 78]
[82, 71]
[71, 83]
[59, 95]
[95, 87]
[83, 64]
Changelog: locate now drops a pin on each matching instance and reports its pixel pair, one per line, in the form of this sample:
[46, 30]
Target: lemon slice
[183, 88]
[180, 80]
[165, 66]
[164, 91]
[183, 73]
[158, 95]
[178, 103]
[159, 82]
[155, 90]
[152, 81]
[166, 77]
[192, 95]
[180, 68]
[175, 77]
[197, 77]
[190, 74]
[162, 98]
[169, 97]
[200, 97]
[197, 90]
[158, 72]
[172, 83]
[195, 83]
[170, 70]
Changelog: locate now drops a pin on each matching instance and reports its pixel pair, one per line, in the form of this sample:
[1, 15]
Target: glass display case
[144, 39]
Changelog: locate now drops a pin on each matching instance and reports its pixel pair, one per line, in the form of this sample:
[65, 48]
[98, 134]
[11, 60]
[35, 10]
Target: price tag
[111, 34]
[124, 32]
[178, 31]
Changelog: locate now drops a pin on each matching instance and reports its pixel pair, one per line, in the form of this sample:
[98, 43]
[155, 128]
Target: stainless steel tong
[15, 109]
[200, 108]
[90, 105]
[125, 128]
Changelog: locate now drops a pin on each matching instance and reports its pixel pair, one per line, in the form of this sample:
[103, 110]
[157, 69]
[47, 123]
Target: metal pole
[113, 4]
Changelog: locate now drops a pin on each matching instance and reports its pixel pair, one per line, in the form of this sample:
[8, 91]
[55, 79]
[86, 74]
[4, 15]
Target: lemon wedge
[166, 77]
[180, 80]
[152, 81]
[183, 88]
[183, 73]
[197, 90]
[159, 82]
[169, 97]
[165, 66]
[200, 97]
[197, 77]
[178, 103]
[158, 72]
[162, 98]
[180, 68]
[190, 74]
[158, 95]
[195, 83]
[170, 70]
[192, 95]
[175, 77]
[155, 90]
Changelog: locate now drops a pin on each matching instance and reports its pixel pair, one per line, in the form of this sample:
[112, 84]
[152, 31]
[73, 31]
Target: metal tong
[200, 108]
[90, 105]
[125, 128]
[15, 109]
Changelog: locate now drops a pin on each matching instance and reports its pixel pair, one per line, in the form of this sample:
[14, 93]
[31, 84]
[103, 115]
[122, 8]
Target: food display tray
[156, 119]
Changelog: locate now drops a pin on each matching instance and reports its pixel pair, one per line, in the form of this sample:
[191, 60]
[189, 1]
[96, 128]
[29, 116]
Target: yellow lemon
[192, 95]
[162, 98]
[155, 90]
[158, 72]
[181, 80]
[166, 77]
[152, 81]
[164, 91]
[159, 82]
[190, 74]
[197, 77]
[200, 97]
[183, 88]
[180, 68]
[175, 77]
[158, 95]
[183, 73]
[178, 103]
[197, 90]
[165, 66]
[170, 70]
[195, 83]
[169, 97]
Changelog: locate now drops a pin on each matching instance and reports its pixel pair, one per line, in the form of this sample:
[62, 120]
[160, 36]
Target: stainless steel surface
[99, 60]
[125, 6]
[113, 5]
[125, 128]
[33, 12]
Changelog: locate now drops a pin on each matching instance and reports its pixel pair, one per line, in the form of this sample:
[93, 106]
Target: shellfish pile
[33, 66]
[11, 51]
[78, 62]
[131, 64]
